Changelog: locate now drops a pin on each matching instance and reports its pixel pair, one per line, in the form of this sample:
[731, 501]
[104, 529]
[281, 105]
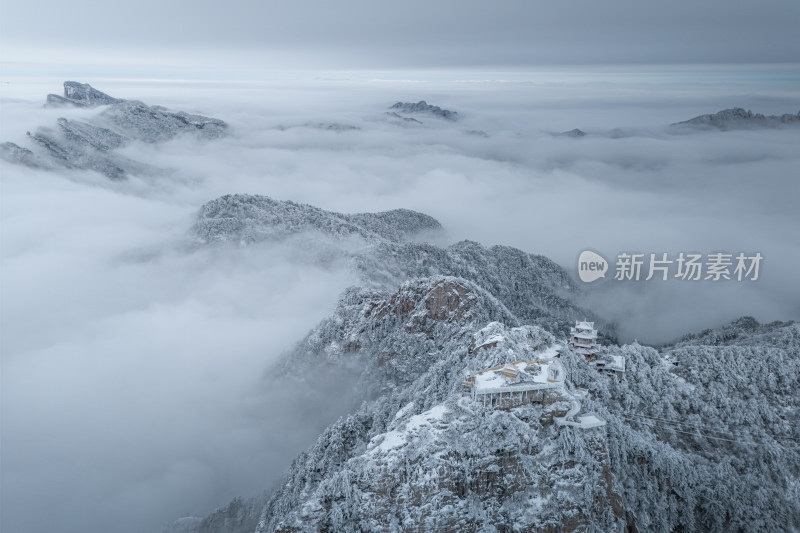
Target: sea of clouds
[133, 364]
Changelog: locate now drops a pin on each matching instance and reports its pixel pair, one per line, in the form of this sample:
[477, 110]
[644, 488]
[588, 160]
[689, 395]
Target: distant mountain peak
[91, 144]
[740, 118]
[424, 107]
[573, 133]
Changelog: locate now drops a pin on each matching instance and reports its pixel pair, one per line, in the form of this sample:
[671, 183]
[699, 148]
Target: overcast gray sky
[368, 33]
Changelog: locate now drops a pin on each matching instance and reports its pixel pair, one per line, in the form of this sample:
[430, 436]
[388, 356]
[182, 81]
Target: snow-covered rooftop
[544, 373]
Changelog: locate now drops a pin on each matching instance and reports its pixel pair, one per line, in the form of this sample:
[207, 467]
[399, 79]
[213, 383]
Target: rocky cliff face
[533, 287]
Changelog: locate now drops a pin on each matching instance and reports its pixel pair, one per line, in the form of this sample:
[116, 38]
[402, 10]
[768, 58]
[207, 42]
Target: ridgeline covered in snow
[92, 144]
[700, 435]
[244, 220]
[739, 118]
[385, 249]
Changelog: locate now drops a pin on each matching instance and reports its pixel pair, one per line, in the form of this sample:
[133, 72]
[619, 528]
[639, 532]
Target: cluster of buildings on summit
[522, 382]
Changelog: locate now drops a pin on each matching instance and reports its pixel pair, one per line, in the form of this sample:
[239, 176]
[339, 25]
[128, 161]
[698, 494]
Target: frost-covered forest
[701, 434]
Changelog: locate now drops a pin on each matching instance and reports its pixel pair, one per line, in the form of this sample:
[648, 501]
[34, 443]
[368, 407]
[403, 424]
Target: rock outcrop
[424, 107]
[153, 124]
[91, 144]
[575, 133]
[80, 95]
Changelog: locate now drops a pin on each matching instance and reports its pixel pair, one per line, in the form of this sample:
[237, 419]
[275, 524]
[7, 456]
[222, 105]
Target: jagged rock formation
[247, 219]
[80, 145]
[61, 151]
[80, 95]
[738, 118]
[423, 107]
[91, 145]
[83, 133]
[154, 124]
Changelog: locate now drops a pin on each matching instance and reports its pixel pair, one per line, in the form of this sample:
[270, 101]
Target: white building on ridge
[583, 339]
[516, 383]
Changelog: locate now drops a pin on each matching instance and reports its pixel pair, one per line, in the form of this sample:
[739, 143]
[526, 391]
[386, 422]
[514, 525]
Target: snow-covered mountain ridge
[385, 249]
[248, 219]
[418, 455]
[681, 446]
[424, 107]
[739, 118]
[92, 144]
[690, 429]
